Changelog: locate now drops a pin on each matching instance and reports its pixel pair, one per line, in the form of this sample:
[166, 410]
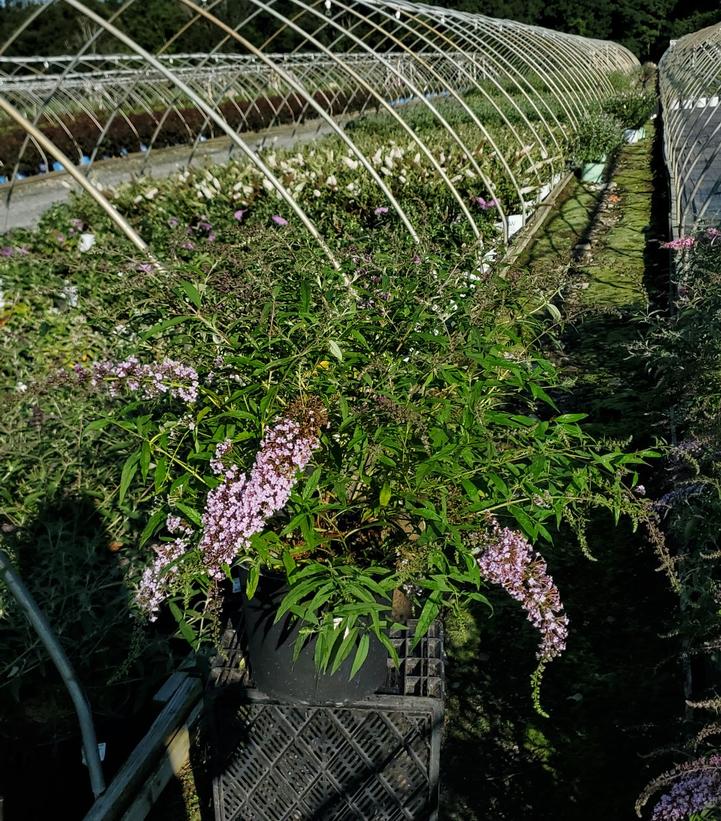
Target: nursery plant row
[384, 419]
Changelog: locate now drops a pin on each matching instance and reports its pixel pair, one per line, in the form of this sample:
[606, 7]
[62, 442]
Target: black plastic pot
[269, 648]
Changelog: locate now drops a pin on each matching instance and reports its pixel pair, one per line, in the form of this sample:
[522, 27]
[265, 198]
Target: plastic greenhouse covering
[690, 84]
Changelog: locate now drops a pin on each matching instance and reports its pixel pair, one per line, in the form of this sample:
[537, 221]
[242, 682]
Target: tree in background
[644, 26]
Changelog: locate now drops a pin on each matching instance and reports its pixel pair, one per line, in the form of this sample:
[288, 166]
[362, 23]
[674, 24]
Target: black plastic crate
[421, 669]
[374, 760]
[370, 760]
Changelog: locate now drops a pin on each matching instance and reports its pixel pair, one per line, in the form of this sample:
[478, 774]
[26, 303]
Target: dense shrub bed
[686, 353]
[146, 399]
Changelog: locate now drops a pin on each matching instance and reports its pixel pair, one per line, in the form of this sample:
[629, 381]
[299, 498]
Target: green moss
[606, 711]
[616, 272]
[564, 230]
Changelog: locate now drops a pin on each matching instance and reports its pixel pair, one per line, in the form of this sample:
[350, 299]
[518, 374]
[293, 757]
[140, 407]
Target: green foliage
[630, 108]
[685, 353]
[644, 26]
[441, 411]
[597, 137]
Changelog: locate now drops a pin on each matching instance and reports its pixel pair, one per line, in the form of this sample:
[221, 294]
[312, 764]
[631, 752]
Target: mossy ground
[609, 697]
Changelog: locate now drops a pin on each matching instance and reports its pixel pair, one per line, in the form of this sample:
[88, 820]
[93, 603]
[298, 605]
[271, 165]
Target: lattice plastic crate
[371, 760]
[375, 760]
[421, 670]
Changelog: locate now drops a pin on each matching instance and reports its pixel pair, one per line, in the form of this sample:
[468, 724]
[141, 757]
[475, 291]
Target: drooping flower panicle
[691, 788]
[155, 581]
[509, 560]
[240, 505]
[169, 377]
[679, 243]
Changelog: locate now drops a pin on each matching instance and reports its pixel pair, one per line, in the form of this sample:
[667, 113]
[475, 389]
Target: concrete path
[22, 204]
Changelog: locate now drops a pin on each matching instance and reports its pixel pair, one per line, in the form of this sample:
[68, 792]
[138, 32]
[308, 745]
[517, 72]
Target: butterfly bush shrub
[361, 432]
[685, 352]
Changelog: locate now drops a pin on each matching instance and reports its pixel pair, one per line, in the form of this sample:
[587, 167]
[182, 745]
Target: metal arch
[500, 61]
[698, 80]
[475, 84]
[484, 178]
[384, 59]
[684, 78]
[382, 102]
[692, 91]
[529, 46]
[51, 149]
[463, 71]
[294, 84]
[562, 59]
[277, 184]
[431, 49]
[74, 61]
[489, 137]
[513, 77]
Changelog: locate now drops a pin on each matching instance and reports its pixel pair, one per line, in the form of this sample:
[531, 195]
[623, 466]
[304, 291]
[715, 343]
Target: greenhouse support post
[45, 632]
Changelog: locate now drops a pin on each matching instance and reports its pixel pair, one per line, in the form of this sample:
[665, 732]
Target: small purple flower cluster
[278, 220]
[381, 211]
[217, 465]
[696, 789]
[203, 229]
[485, 205]
[167, 377]
[679, 494]
[155, 581]
[510, 561]
[146, 267]
[11, 251]
[679, 243]
[240, 506]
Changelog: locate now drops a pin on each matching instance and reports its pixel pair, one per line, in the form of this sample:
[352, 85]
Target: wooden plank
[537, 220]
[129, 779]
[165, 693]
[176, 756]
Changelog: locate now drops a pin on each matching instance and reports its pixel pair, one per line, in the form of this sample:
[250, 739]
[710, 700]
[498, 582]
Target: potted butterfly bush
[597, 137]
[347, 448]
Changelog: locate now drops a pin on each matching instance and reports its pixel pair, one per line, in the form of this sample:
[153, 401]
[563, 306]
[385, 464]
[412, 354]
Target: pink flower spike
[679, 243]
[484, 204]
[240, 214]
[509, 560]
[278, 220]
[381, 210]
[241, 504]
